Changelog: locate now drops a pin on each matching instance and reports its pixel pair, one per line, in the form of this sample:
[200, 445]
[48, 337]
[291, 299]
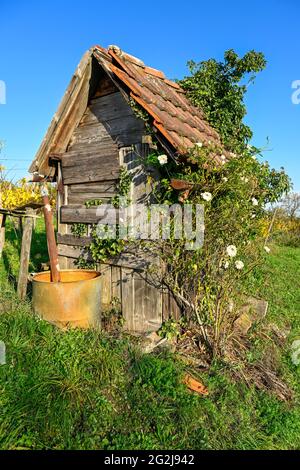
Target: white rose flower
[199, 145]
[225, 179]
[226, 265]
[231, 251]
[239, 264]
[253, 216]
[244, 179]
[223, 159]
[206, 196]
[163, 159]
[267, 249]
[254, 201]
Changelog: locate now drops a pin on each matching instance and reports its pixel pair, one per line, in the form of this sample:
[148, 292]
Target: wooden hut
[95, 132]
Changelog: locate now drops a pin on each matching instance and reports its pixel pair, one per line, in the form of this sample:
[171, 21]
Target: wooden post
[51, 242]
[25, 254]
[2, 232]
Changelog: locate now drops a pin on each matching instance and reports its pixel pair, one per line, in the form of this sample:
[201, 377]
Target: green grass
[9, 262]
[279, 283]
[86, 390]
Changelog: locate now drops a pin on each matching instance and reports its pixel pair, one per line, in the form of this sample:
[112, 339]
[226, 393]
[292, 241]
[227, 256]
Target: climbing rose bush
[208, 282]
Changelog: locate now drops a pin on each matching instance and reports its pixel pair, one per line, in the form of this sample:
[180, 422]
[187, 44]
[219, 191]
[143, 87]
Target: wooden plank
[90, 171]
[137, 261]
[165, 305]
[66, 239]
[82, 198]
[105, 286]
[128, 298]
[89, 215]
[107, 188]
[63, 262]
[152, 307]
[69, 251]
[125, 260]
[137, 322]
[128, 125]
[96, 158]
[121, 140]
[147, 305]
[106, 108]
[62, 198]
[90, 145]
[94, 133]
[25, 255]
[122, 131]
[116, 283]
[174, 311]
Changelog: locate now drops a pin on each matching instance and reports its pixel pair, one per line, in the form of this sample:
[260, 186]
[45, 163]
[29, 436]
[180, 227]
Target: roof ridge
[124, 55]
[117, 51]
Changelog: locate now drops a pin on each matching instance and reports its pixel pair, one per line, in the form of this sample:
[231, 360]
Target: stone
[152, 341]
[253, 310]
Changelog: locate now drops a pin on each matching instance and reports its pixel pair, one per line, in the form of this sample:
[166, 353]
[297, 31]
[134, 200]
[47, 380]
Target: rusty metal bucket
[73, 302]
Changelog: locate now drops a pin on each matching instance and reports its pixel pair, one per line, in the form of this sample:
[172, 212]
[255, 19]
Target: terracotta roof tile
[154, 72]
[181, 123]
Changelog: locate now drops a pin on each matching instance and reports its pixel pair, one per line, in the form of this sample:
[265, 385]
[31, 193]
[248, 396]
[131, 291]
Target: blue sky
[41, 43]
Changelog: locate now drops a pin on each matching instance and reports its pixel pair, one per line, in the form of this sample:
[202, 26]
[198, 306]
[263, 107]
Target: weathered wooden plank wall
[108, 136]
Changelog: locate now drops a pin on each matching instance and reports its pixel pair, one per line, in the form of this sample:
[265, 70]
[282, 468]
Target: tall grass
[86, 390]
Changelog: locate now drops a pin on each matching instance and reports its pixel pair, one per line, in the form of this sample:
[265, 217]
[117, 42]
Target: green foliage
[218, 88]
[100, 249]
[171, 329]
[234, 195]
[140, 113]
[123, 188]
[12, 249]
[79, 230]
[111, 318]
[93, 202]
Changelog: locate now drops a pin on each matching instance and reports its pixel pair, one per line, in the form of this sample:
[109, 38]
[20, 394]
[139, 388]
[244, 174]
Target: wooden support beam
[51, 242]
[25, 254]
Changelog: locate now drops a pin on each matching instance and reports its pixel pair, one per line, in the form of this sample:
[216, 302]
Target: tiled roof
[175, 118]
[181, 123]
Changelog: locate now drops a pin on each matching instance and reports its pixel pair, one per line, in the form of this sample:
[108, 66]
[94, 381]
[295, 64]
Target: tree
[291, 205]
[218, 88]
